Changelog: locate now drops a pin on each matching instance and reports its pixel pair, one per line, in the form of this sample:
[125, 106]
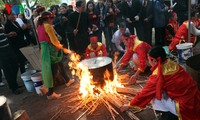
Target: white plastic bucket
[26, 77]
[37, 79]
[184, 51]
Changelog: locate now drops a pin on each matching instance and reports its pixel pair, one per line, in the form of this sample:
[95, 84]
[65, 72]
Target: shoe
[2, 84]
[71, 81]
[17, 91]
[54, 96]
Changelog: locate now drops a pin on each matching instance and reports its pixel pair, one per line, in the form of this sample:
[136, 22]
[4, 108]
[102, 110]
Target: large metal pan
[97, 67]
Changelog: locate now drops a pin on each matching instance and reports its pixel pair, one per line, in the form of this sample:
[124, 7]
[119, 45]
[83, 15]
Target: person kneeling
[170, 88]
[95, 48]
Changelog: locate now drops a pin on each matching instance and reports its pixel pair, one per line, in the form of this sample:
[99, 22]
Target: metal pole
[189, 14]
[32, 23]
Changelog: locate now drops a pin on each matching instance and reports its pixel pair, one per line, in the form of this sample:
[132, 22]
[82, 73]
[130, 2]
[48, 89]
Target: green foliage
[1, 4]
[48, 3]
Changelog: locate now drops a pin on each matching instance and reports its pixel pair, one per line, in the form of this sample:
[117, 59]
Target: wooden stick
[82, 114]
[57, 115]
[132, 116]
[118, 104]
[132, 91]
[115, 66]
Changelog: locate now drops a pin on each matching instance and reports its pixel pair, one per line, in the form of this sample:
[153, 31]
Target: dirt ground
[39, 108]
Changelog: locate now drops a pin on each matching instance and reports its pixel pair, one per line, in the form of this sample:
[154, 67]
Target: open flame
[92, 95]
[87, 89]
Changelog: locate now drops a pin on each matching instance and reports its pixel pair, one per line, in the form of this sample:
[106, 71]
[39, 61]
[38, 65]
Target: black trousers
[81, 41]
[0, 75]
[147, 27]
[21, 60]
[138, 27]
[10, 67]
[159, 36]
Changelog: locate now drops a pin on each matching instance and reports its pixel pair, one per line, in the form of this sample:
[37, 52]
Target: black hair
[111, 1]
[54, 7]
[193, 12]
[122, 25]
[5, 12]
[70, 6]
[41, 19]
[90, 2]
[126, 34]
[79, 3]
[40, 9]
[64, 4]
[158, 51]
[32, 9]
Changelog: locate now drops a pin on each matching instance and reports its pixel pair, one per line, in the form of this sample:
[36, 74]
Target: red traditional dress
[182, 34]
[100, 51]
[178, 85]
[140, 48]
[169, 36]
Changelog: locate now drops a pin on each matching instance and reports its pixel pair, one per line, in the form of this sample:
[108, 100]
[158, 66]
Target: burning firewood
[132, 91]
[116, 102]
[90, 95]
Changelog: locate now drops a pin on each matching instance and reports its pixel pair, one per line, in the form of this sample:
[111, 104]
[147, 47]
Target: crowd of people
[127, 27]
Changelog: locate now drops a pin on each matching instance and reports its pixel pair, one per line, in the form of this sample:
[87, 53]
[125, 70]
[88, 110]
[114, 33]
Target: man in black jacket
[131, 10]
[78, 23]
[8, 61]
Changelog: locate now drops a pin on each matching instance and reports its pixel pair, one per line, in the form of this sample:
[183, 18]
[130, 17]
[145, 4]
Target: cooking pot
[97, 67]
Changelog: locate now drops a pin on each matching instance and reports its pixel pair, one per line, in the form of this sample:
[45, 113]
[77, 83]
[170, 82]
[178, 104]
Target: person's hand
[75, 32]
[128, 20]
[92, 54]
[111, 10]
[64, 19]
[132, 79]
[146, 20]
[117, 10]
[166, 8]
[137, 18]
[12, 34]
[124, 107]
[94, 26]
[29, 26]
[24, 26]
[67, 51]
[171, 7]
[119, 68]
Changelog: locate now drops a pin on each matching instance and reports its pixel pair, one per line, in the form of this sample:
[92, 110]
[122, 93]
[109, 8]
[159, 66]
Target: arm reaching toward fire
[54, 40]
[194, 30]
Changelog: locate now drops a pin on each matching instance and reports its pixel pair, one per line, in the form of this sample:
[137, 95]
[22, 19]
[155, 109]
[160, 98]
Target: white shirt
[116, 39]
[19, 21]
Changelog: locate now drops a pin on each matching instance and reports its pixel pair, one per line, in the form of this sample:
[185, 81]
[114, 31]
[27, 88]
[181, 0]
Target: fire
[91, 95]
[87, 89]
